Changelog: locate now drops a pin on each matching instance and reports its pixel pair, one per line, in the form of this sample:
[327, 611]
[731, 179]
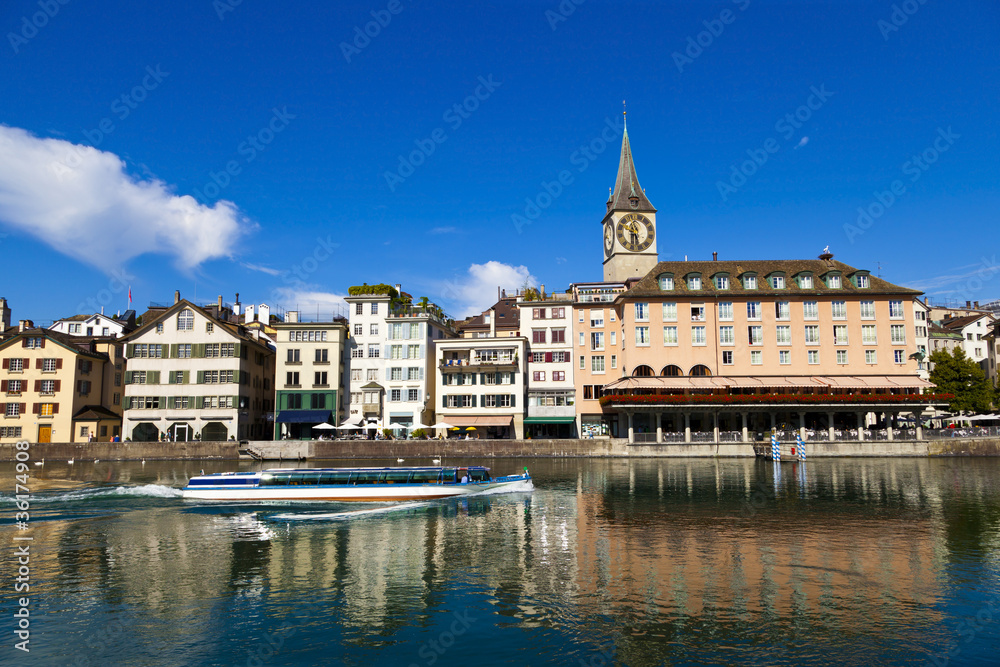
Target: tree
[424, 303]
[954, 373]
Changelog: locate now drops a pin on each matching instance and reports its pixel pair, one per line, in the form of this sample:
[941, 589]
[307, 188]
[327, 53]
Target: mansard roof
[649, 286]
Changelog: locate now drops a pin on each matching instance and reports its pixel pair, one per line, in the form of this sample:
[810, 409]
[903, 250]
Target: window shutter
[513, 400]
[482, 378]
[548, 357]
[6, 364]
[3, 408]
[26, 363]
[58, 364]
[198, 350]
[38, 386]
[3, 386]
[173, 350]
[128, 377]
[36, 408]
[170, 378]
[38, 364]
[200, 378]
[170, 402]
[444, 401]
[55, 408]
[23, 408]
[421, 373]
[187, 377]
[422, 349]
[153, 377]
[199, 402]
[24, 342]
[473, 400]
[79, 386]
[58, 384]
[130, 350]
[43, 342]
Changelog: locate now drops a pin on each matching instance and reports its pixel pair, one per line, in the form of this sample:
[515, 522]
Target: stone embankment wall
[423, 451]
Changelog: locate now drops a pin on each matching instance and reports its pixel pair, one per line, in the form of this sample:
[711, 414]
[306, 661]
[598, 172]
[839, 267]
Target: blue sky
[216, 148]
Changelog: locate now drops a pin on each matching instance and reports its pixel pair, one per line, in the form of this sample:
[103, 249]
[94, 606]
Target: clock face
[609, 238]
[635, 232]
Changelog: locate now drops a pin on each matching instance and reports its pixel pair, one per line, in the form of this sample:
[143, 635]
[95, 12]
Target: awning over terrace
[486, 420]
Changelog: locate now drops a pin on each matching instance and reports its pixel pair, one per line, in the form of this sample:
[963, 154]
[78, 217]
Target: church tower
[629, 225]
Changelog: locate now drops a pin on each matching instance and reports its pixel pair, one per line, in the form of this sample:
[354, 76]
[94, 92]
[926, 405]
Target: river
[607, 562]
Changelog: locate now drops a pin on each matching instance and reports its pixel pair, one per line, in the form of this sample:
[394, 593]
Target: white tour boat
[353, 484]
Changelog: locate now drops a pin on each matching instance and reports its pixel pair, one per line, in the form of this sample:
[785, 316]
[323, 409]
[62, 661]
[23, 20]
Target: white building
[192, 376]
[366, 365]
[921, 337]
[97, 324]
[411, 336]
[547, 325]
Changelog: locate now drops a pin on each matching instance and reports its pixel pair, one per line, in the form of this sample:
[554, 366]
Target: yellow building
[59, 388]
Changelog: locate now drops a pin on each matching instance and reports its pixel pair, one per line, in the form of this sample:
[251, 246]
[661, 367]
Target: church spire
[627, 194]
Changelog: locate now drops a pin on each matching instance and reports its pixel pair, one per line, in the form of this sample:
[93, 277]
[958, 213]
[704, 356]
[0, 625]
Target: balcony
[475, 365]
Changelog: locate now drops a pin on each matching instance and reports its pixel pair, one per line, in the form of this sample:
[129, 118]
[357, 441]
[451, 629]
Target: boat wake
[353, 514]
[517, 487]
[103, 493]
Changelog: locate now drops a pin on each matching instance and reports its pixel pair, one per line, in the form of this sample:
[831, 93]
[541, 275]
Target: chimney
[541, 292]
[236, 307]
[292, 316]
[4, 315]
[248, 316]
[493, 323]
[976, 304]
[219, 313]
[264, 313]
[177, 296]
[24, 325]
[399, 288]
[968, 304]
[715, 257]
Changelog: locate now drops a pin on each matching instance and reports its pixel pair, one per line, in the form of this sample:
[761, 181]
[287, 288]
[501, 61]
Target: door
[45, 433]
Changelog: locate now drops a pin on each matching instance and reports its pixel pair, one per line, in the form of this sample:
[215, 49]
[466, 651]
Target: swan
[399, 460]
[435, 461]
[70, 461]
[40, 463]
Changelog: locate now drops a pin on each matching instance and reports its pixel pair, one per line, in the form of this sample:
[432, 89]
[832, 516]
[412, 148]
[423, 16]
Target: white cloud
[475, 292]
[82, 202]
[263, 269]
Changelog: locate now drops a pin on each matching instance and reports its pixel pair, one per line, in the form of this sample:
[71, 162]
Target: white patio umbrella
[442, 424]
[324, 426]
[417, 425]
[395, 425]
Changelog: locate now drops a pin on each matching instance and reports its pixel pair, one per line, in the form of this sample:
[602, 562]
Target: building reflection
[615, 546]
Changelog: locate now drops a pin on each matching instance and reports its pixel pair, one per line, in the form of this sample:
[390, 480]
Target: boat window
[479, 476]
[449, 475]
[342, 477]
[304, 479]
[425, 476]
[364, 478]
[397, 477]
[274, 479]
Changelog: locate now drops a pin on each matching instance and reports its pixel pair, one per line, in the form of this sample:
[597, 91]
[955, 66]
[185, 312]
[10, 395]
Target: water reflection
[648, 560]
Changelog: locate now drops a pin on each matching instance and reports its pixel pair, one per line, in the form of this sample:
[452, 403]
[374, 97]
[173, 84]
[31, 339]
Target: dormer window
[833, 281]
[722, 281]
[694, 281]
[778, 281]
[750, 281]
[861, 280]
[806, 281]
[633, 201]
[666, 282]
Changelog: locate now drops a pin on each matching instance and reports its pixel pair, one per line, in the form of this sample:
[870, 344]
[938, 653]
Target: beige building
[59, 388]
[596, 353]
[308, 375]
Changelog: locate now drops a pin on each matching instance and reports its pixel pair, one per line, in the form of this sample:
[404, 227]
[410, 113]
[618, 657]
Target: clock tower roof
[627, 194]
